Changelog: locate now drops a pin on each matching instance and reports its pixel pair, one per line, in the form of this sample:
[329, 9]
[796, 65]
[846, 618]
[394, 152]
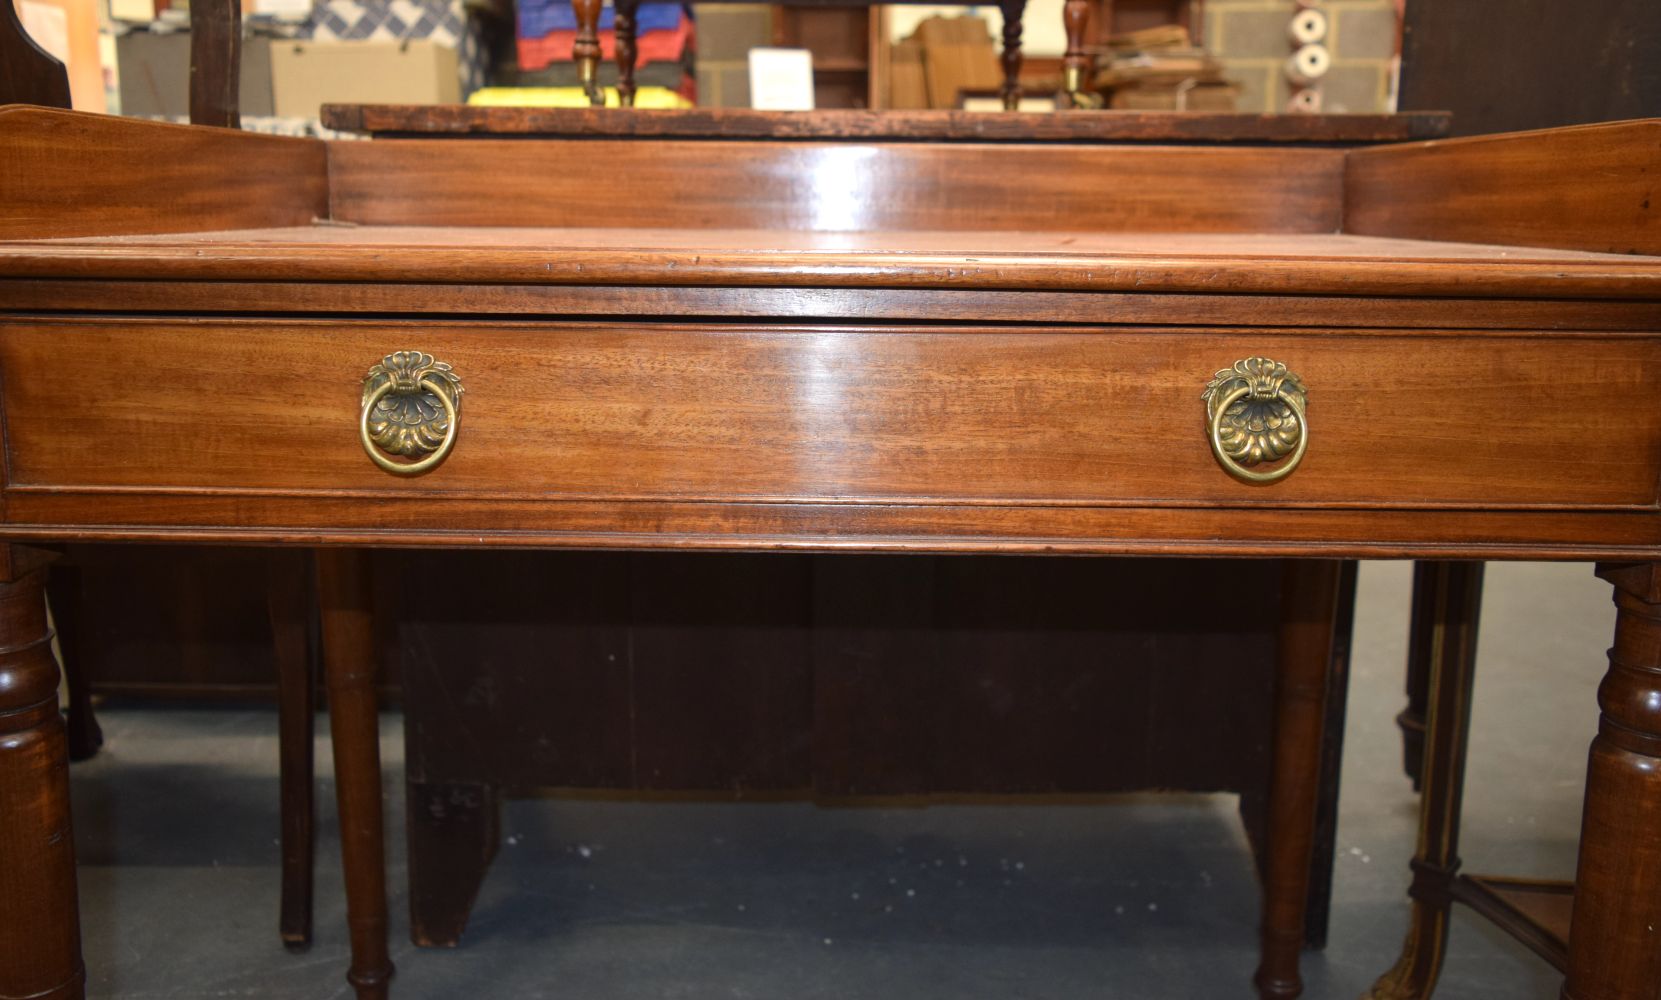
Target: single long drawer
[1005, 415]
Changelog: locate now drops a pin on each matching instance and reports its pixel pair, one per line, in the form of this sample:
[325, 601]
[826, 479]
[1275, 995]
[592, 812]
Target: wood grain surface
[1612, 949]
[1592, 187]
[216, 64]
[797, 304]
[226, 518]
[834, 187]
[870, 415]
[410, 120]
[63, 173]
[1297, 264]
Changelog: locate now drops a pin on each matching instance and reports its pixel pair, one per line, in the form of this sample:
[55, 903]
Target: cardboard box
[907, 81]
[306, 75]
[447, 22]
[1211, 96]
[155, 74]
[958, 55]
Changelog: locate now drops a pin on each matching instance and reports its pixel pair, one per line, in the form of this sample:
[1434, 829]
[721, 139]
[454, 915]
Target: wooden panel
[216, 64]
[557, 622]
[1053, 416]
[795, 304]
[675, 671]
[1587, 188]
[411, 120]
[197, 624]
[56, 513]
[970, 261]
[833, 186]
[723, 680]
[1507, 65]
[1022, 676]
[71, 174]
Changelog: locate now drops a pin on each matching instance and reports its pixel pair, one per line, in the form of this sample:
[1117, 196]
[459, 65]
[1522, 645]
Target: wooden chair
[30, 75]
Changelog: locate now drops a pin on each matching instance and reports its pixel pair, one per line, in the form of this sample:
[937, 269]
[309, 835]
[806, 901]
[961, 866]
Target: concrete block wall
[726, 34]
[1250, 36]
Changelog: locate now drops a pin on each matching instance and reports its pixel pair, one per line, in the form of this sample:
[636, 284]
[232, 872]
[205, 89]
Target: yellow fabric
[571, 97]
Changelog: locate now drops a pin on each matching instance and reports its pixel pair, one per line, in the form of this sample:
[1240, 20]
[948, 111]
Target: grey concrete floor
[1147, 896]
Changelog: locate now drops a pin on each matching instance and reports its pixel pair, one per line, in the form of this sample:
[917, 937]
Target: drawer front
[908, 415]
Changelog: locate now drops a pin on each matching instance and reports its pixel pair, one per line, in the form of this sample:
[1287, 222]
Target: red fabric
[653, 46]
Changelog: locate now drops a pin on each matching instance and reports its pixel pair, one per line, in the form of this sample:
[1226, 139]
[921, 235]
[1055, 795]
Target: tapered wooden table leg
[293, 613]
[343, 593]
[1615, 934]
[1309, 598]
[40, 936]
[1448, 605]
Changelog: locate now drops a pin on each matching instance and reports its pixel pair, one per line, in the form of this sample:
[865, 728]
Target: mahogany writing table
[1435, 350]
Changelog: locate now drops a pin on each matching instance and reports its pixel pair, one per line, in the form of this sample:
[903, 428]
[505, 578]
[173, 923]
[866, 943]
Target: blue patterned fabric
[539, 17]
[444, 21]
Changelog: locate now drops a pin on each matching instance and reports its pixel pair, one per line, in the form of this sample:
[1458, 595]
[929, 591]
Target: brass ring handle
[410, 425]
[1272, 422]
[1233, 466]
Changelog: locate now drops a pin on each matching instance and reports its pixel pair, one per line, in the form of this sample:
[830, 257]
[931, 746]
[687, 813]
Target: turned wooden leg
[1014, 11]
[1453, 603]
[292, 609]
[454, 830]
[1309, 597]
[1421, 640]
[63, 593]
[40, 934]
[623, 25]
[1615, 933]
[586, 49]
[1075, 64]
[343, 594]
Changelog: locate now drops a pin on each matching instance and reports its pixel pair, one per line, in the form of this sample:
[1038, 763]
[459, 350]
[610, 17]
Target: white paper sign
[781, 79]
[295, 10]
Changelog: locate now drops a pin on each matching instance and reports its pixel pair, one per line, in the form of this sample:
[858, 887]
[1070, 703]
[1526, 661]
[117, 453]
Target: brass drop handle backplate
[411, 407]
[1256, 414]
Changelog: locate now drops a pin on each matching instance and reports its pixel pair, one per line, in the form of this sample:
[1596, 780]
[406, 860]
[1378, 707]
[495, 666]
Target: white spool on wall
[1305, 102]
[1309, 26]
[1310, 60]
[1308, 65]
